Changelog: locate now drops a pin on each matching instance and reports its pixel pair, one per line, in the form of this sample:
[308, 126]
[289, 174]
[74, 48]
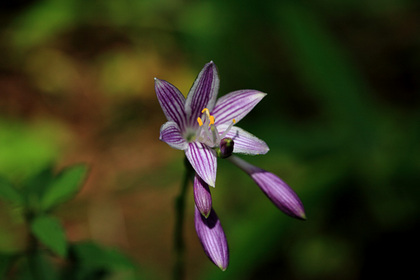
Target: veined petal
[274, 188]
[279, 193]
[171, 135]
[172, 102]
[203, 160]
[236, 105]
[212, 238]
[243, 141]
[202, 196]
[203, 93]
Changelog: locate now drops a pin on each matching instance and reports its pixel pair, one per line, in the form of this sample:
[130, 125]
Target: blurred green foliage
[34, 144]
[82, 260]
[341, 118]
[49, 231]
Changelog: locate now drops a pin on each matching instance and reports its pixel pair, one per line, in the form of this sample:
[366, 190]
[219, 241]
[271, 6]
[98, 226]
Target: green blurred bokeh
[341, 118]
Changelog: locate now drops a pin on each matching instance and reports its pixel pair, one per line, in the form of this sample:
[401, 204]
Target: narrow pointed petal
[236, 105]
[274, 188]
[244, 142]
[171, 135]
[203, 93]
[203, 160]
[212, 238]
[172, 102]
[202, 196]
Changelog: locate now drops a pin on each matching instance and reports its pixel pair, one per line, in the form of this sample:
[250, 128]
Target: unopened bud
[225, 148]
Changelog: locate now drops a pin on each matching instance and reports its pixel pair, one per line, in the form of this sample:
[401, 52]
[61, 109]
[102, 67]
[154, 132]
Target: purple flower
[203, 128]
[202, 196]
[274, 188]
[197, 124]
[212, 238]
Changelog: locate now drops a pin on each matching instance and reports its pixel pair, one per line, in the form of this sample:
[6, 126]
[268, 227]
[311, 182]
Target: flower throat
[208, 134]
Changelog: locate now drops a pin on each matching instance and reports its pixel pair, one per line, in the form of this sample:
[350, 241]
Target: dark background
[341, 118]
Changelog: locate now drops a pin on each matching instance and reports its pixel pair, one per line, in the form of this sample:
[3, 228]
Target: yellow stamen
[234, 121]
[200, 122]
[207, 112]
[211, 118]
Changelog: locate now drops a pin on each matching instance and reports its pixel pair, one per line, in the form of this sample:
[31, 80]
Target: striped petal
[172, 102]
[203, 93]
[274, 188]
[244, 142]
[171, 135]
[203, 160]
[236, 105]
[212, 238]
[202, 196]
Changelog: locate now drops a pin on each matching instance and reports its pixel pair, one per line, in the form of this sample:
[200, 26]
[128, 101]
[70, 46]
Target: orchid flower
[205, 128]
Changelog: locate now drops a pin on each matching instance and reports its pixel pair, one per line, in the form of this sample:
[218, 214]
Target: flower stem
[179, 245]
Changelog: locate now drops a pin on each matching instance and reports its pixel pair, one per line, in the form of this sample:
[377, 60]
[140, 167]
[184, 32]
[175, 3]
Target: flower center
[210, 119]
[207, 133]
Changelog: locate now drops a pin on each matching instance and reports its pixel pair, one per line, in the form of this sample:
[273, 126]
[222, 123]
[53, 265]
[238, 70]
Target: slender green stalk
[32, 251]
[179, 245]
[33, 261]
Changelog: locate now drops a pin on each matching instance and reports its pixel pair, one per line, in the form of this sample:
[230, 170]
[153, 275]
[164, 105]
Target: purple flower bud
[202, 196]
[274, 188]
[225, 148]
[212, 238]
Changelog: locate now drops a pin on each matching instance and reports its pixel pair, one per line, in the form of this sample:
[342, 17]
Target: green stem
[179, 245]
[33, 262]
[32, 251]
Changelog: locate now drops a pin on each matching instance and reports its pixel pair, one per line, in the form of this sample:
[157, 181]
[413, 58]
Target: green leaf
[49, 231]
[35, 186]
[9, 193]
[64, 186]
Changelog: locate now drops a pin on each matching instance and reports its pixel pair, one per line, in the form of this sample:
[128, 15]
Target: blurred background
[341, 118]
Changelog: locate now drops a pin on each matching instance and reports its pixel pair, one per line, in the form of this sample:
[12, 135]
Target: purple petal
[172, 102]
[203, 160]
[171, 135]
[202, 196]
[236, 105]
[203, 93]
[274, 188]
[212, 238]
[244, 142]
